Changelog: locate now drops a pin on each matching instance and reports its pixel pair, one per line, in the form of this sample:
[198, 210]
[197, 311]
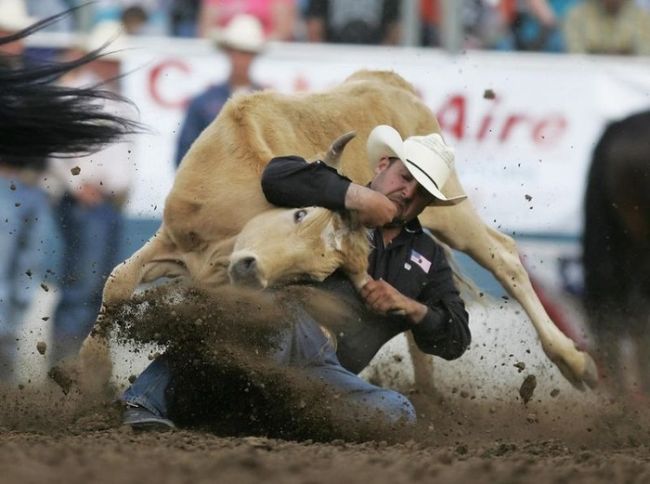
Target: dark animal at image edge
[616, 243]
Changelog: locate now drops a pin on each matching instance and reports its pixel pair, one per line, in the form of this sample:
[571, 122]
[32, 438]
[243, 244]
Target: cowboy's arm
[290, 181]
[439, 326]
[444, 330]
[438, 319]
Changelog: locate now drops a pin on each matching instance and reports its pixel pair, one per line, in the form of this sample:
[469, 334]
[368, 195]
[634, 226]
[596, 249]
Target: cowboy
[411, 287]
[409, 271]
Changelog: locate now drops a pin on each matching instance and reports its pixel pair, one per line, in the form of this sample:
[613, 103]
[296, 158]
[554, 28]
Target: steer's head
[284, 245]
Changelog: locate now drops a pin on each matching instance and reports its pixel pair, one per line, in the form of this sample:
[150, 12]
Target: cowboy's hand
[374, 208]
[384, 299]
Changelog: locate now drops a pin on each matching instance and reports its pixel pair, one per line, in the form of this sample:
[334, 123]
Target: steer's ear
[351, 219]
[354, 244]
[347, 225]
[333, 155]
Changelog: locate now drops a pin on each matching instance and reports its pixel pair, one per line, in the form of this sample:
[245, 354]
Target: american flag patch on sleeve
[419, 259]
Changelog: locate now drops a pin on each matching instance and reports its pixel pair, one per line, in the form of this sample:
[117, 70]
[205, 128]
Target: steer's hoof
[65, 376]
[95, 369]
[580, 375]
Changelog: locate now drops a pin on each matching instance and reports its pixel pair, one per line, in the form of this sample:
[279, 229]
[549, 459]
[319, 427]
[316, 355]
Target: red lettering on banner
[451, 116]
[540, 129]
[509, 124]
[155, 76]
[486, 124]
[550, 129]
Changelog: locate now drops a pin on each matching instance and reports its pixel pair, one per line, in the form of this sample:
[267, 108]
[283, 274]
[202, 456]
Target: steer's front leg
[149, 262]
[95, 365]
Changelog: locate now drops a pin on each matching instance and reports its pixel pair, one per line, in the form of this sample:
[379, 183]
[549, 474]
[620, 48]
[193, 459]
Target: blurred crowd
[586, 26]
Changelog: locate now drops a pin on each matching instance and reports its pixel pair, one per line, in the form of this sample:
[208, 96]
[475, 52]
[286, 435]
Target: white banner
[523, 126]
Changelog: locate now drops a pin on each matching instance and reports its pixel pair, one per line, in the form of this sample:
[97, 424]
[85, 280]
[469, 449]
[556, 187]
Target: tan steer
[217, 191]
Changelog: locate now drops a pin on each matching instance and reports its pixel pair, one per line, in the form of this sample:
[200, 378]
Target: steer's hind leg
[151, 261]
[422, 368]
[461, 228]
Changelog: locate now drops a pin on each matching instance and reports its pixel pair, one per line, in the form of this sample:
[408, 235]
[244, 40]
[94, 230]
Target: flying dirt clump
[41, 347]
[528, 388]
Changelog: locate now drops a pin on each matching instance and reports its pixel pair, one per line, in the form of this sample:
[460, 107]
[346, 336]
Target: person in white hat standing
[90, 201]
[242, 41]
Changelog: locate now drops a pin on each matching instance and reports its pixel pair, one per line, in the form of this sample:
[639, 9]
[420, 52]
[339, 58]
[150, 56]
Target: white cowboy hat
[108, 34]
[13, 16]
[244, 32]
[427, 158]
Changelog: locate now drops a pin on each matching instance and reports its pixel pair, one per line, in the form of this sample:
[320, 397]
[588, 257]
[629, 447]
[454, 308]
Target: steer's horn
[333, 155]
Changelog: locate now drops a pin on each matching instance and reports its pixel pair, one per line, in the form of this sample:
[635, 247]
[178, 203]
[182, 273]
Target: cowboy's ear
[382, 164]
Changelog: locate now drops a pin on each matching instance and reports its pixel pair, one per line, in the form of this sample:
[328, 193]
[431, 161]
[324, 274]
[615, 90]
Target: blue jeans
[27, 250]
[303, 346]
[92, 235]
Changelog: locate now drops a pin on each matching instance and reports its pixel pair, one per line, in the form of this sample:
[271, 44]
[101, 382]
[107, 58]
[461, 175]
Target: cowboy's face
[394, 180]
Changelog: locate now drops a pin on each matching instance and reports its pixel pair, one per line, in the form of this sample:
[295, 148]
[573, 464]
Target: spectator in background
[242, 40]
[184, 18]
[134, 20]
[485, 24]
[89, 210]
[277, 17]
[617, 27]
[538, 25]
[156, 11]
[430, 17]
[40, 9]
[354, 22]
[25, 214]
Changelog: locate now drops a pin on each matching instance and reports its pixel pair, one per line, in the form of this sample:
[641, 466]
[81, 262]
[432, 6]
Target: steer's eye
[299, 215]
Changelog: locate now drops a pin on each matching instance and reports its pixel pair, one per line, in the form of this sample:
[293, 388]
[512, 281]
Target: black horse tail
[39, 118]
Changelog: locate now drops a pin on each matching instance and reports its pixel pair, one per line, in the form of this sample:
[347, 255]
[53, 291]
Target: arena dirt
[287, 429]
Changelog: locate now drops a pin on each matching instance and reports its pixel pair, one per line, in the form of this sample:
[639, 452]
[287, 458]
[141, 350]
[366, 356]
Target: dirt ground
[455, 441]
[48, 436]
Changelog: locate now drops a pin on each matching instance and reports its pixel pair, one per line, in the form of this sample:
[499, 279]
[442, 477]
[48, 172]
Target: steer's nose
[245, 271]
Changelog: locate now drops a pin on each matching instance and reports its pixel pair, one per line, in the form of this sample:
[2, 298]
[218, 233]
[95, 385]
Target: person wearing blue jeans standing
[27, 252]
[90, 222]
[91, 234]
[411, 286]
